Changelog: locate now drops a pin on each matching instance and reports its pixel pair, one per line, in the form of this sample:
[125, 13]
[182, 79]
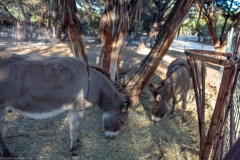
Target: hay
[138, 139]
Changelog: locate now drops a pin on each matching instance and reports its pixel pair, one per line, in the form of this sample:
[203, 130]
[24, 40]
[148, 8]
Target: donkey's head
[113, 119]
[159, 107]
[115, 103]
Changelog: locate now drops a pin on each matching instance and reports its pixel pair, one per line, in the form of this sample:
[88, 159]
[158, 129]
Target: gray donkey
[45, 87]
[178, 81]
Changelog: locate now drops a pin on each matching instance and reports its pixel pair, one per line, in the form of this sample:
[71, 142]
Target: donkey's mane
[116, 85]
[101, 70]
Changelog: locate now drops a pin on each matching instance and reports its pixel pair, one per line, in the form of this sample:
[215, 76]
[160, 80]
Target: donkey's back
[33, 87]
[178, 77]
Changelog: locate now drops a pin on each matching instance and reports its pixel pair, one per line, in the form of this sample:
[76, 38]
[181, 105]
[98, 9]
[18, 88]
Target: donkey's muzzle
[156, 119]
[111, 135]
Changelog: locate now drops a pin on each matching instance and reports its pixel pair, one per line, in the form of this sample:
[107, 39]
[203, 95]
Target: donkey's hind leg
[5, 153]
[173, 105]
[75, 118]
[184, 103]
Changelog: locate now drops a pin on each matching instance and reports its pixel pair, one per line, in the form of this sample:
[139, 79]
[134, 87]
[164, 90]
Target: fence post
[18, 33]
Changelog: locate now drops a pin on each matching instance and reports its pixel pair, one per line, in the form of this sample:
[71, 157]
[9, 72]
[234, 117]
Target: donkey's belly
[41, 114]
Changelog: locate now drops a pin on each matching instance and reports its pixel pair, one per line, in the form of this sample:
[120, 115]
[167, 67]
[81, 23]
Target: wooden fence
[224, 129]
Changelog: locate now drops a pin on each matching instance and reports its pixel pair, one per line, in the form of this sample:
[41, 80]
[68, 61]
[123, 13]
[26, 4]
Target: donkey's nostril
[121, 122]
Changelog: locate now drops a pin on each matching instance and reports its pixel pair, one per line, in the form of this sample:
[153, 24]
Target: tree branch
[21, 7]
[5, 8]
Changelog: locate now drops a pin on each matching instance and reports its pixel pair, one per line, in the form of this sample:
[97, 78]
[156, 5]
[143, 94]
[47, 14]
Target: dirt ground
[138, 139]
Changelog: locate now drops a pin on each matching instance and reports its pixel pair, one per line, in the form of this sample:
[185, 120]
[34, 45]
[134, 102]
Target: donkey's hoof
[76, 158]
[74, 152]
[12, 157]
[184, 122]
[8, 155]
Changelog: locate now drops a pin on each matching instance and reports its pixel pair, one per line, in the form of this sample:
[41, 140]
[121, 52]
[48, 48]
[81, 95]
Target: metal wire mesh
[25, 36]
[232, 131]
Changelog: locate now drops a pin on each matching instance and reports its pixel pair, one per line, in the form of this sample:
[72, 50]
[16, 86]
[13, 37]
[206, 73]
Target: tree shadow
[37, 139]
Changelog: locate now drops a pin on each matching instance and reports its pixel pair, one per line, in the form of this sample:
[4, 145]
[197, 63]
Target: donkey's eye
[121, 122]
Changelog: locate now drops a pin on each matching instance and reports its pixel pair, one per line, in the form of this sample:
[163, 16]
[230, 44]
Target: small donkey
[178, 81]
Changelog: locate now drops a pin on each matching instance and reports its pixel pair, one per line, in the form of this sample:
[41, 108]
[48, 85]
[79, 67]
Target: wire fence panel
[232, 131]
[25, 36]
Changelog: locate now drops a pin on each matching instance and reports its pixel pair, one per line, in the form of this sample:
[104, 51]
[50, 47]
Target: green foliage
[91, 22]
[225, 11]
[229, 8]
[147, 15]
[19, 8]
[90, 13]
[3, 14]
[220, 24]
[188, 27]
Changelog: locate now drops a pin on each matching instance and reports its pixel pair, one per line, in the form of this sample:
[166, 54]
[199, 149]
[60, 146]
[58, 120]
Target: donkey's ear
[125, 106]
[152, 87]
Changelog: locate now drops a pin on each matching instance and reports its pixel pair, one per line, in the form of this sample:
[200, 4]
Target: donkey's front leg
[5, 153]
[75, 118]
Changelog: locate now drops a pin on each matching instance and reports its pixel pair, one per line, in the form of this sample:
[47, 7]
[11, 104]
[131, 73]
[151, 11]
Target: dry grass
[138, 139]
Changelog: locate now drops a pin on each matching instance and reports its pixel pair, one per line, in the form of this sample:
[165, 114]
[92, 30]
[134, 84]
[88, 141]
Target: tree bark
[209, 18]
[113, 29]
[71, 23]
[136, 79]
[44, 12]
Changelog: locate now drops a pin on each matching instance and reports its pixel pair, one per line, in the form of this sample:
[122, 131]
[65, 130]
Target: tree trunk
[71, 23]
[44, 12]
[112, 53]
[113, 29]
[136, 79]
[218, 45]
[211, 27]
